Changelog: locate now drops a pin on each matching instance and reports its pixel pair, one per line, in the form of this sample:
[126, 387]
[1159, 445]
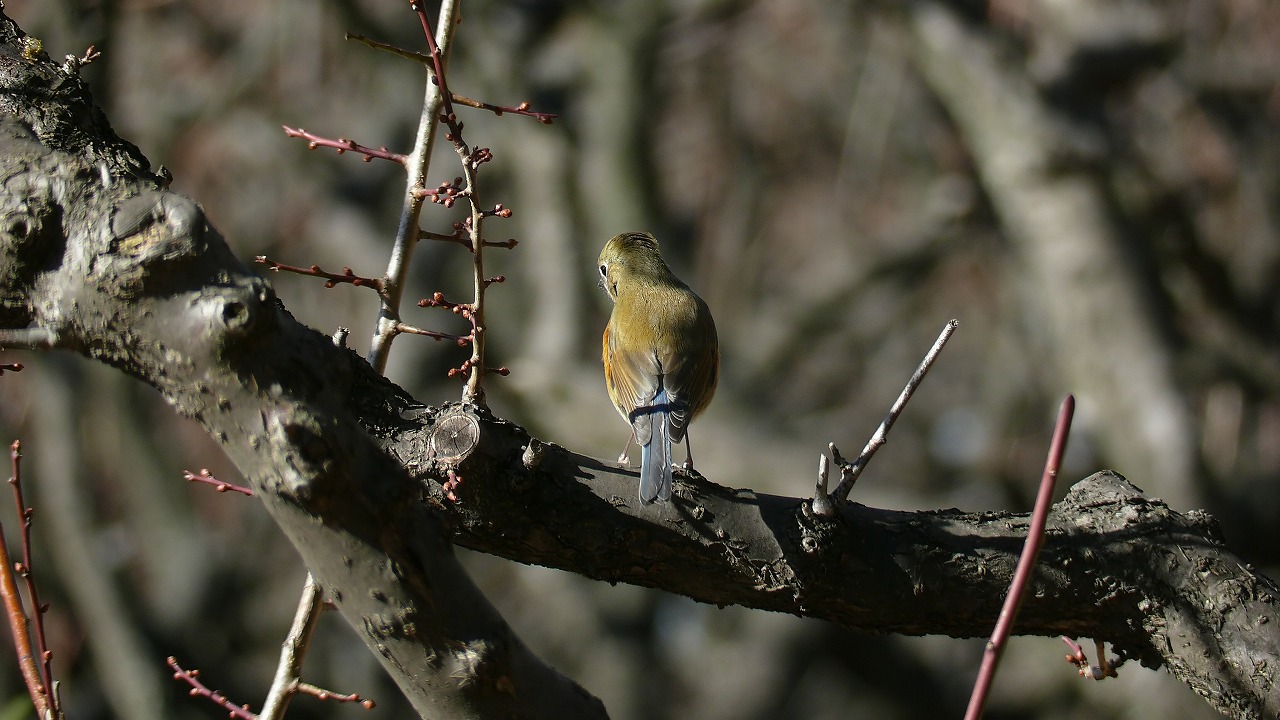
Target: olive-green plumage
[661, 356]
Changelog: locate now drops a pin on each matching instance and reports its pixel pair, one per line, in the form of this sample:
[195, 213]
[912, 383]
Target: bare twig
[331, 279]
[1026, 562]
[460, 236]
[1104, 669]
[849, 472]
[289, 671]
[417, 166]
[322, 694]
[523, 108]
[822, 503]
[33, 675]
[26, 569]
[288, 678]
[206, 477]
[343, 145]
[379, 45]
[472, 159]
[199, 689]
[462, 340]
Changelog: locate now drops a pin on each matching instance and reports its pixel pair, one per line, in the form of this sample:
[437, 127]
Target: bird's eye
[604, 270]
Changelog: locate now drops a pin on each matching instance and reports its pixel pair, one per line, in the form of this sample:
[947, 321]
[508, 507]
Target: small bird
[661, 356]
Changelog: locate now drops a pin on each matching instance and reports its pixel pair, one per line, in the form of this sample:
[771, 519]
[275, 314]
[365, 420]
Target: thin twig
[293, 650]
[471, 161]
[343, 145]
[207, 478]
[27, 570]
[423, 58]
[523, 108]
[1026, 562]
[462, 340]
[331, 278]
[1104, 669]
[322, 694]
[499, 110]
[460, 237]
[822, 504]
[199, 689]
[417, 166]
[849, 472]
[18, 621]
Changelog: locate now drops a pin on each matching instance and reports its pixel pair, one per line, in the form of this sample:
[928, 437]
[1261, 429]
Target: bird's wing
[692, 365]
[632, 379]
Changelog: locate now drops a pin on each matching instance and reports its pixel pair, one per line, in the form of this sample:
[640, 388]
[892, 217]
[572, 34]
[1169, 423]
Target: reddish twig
[199, 689]
[91, 53]
[206, 477]
[522, 109]
[446, 193]
[438, 300]
[73, 64]
[331, 279]
[36, 677]
[343, 145]
[497, 210]
[11, 367]
[472, 159]
[457, 236]
[1026, 562]
[467, 311]
[451, 484]
[321, 693]
[1103, 670]
[435, 60]
[26, 569]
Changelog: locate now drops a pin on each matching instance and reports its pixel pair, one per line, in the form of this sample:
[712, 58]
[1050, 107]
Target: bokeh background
[1089, 186]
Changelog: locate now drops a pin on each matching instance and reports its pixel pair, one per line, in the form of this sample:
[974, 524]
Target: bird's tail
[655, 456]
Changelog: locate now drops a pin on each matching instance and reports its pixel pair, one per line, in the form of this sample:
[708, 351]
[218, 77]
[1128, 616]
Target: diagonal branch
[145, 284]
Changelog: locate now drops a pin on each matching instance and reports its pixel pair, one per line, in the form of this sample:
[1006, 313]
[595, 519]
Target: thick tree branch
[100, 259]
[1161, 586]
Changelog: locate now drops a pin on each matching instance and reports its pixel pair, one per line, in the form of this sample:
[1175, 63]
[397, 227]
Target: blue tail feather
[655, 456]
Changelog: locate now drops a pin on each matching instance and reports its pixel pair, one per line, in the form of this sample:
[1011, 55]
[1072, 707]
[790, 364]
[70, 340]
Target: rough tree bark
[98, 258]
